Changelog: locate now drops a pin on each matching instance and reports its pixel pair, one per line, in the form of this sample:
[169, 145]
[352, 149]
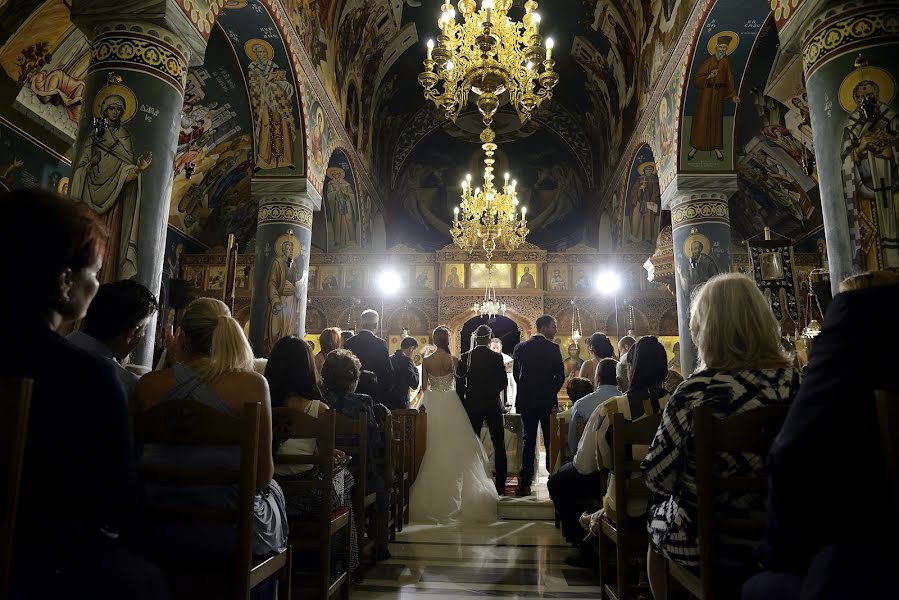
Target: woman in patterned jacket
[742, 365]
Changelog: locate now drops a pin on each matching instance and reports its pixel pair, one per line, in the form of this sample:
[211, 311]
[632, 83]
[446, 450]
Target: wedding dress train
[453, 482]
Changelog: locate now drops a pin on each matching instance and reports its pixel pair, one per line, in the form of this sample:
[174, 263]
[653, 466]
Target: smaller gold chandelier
[486, 217]
[490, 306]
[488, 53]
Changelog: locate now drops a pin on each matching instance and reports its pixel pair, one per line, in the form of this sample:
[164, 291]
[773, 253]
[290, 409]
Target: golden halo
[235, 4]
[117, 89]
[731, 46]
[335, 172]
[650, 163]
[248, 48]
[61, 185]
[881, 77]
[697, 237]
[288, 237]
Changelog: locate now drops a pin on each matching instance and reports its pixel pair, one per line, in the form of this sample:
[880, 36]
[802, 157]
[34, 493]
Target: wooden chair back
[191, 423]
[752, 431]
[888, 421]
[405, 425]
[352, 438]
[580, 423]
[15, 404]
[625, 435]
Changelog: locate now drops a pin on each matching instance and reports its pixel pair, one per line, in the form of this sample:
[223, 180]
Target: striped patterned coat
[670, 465]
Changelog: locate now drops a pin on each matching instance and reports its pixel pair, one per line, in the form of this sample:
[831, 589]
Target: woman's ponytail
[214, 334]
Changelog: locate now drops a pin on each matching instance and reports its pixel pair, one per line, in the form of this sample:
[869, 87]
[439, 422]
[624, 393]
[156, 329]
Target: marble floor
[506, 559]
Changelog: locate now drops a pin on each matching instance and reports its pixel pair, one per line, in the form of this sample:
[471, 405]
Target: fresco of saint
[870, 155]
[107, 177]
[271, 97]
[645, 205]
[714, 81]
[341, 199]
[284, 286]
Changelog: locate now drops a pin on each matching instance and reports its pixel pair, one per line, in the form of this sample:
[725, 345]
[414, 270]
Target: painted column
[127, 136]
[700, 223]
[281, 266]
[850, 56]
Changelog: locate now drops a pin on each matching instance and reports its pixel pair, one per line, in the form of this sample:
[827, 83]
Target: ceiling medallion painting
[487, 217]
[488, 53]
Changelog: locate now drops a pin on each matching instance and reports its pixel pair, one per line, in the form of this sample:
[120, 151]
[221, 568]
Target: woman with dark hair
[600, 347]
[645, 396]
[294, 383]
[79, 429]
[340, 378]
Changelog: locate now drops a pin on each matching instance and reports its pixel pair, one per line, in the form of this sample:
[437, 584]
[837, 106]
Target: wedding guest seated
[344, 336]
[645, 396]
[741, 366]
[624, 346]
[78, 481]
[600, 347]
[405, 374]
[115, 323]
[622, 375]
[293, 381]
[213, 366]
[368, 384]
[576, 388]
[583, 408]
[328, 340]
[340, 378]
[810, 550]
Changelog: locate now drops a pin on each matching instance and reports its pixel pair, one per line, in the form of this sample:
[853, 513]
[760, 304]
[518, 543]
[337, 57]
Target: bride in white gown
[452, 483]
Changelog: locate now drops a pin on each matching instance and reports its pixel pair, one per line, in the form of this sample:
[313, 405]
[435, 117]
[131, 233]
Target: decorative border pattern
[139, 52]
[702, 210]
[783, 10]
[202, 13]
[284, 212]
[839, 35]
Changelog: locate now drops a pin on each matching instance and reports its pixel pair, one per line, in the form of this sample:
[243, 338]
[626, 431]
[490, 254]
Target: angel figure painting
[271, 96]
[107, 177]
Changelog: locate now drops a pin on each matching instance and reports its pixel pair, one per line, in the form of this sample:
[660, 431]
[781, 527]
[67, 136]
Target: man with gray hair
[372, 353]
[622, 375]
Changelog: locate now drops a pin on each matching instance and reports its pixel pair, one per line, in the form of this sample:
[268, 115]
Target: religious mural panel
[320, 134]
[424, 278]
[526, 276]
[274, 98]
[26, 163]
[777, 183]
[582, 279]
[643, 203]
[557, 278]
[329, 278]
[214, 161]
[454, 276]
[341, 203]
[720, 56]
[500, 276]
[355, 278]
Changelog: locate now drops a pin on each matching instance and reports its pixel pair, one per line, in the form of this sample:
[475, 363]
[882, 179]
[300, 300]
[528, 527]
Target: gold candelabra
[487, 217]
[488, 53]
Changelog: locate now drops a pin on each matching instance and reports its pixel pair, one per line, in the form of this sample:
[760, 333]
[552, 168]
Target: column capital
[699, 186]
[844, 27]
[291, 190]
[95, 16]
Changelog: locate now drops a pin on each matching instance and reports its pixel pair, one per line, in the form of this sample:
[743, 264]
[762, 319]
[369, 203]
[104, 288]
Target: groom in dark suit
[539, 373]
[480, 381]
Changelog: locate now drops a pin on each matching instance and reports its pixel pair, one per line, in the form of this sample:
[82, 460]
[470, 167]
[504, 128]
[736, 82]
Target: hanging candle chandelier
[488, 53]
[575, 323]
[487, 217]
[490, 306]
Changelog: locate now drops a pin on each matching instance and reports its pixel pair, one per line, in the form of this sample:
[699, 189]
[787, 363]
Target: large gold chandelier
[487, 217]
[488, 53]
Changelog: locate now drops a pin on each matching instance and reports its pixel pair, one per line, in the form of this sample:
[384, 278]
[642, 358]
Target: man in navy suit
[372, 353]
[539, 373]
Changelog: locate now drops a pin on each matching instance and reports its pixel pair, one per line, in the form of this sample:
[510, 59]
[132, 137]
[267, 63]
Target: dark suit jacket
[826, 474]
[372, 352]
[480, 385]
[539, 373]
[405, 377]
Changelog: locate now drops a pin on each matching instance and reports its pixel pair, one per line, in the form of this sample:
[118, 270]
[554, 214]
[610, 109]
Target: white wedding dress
[453, 483]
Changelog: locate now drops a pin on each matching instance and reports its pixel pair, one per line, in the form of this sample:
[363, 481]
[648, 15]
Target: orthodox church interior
[466, 163]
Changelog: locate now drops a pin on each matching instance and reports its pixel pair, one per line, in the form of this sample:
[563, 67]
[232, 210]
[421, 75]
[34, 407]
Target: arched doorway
[503, 327]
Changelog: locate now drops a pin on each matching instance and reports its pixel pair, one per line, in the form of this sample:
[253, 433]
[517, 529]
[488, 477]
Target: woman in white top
[453, 483]
[294, 383]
